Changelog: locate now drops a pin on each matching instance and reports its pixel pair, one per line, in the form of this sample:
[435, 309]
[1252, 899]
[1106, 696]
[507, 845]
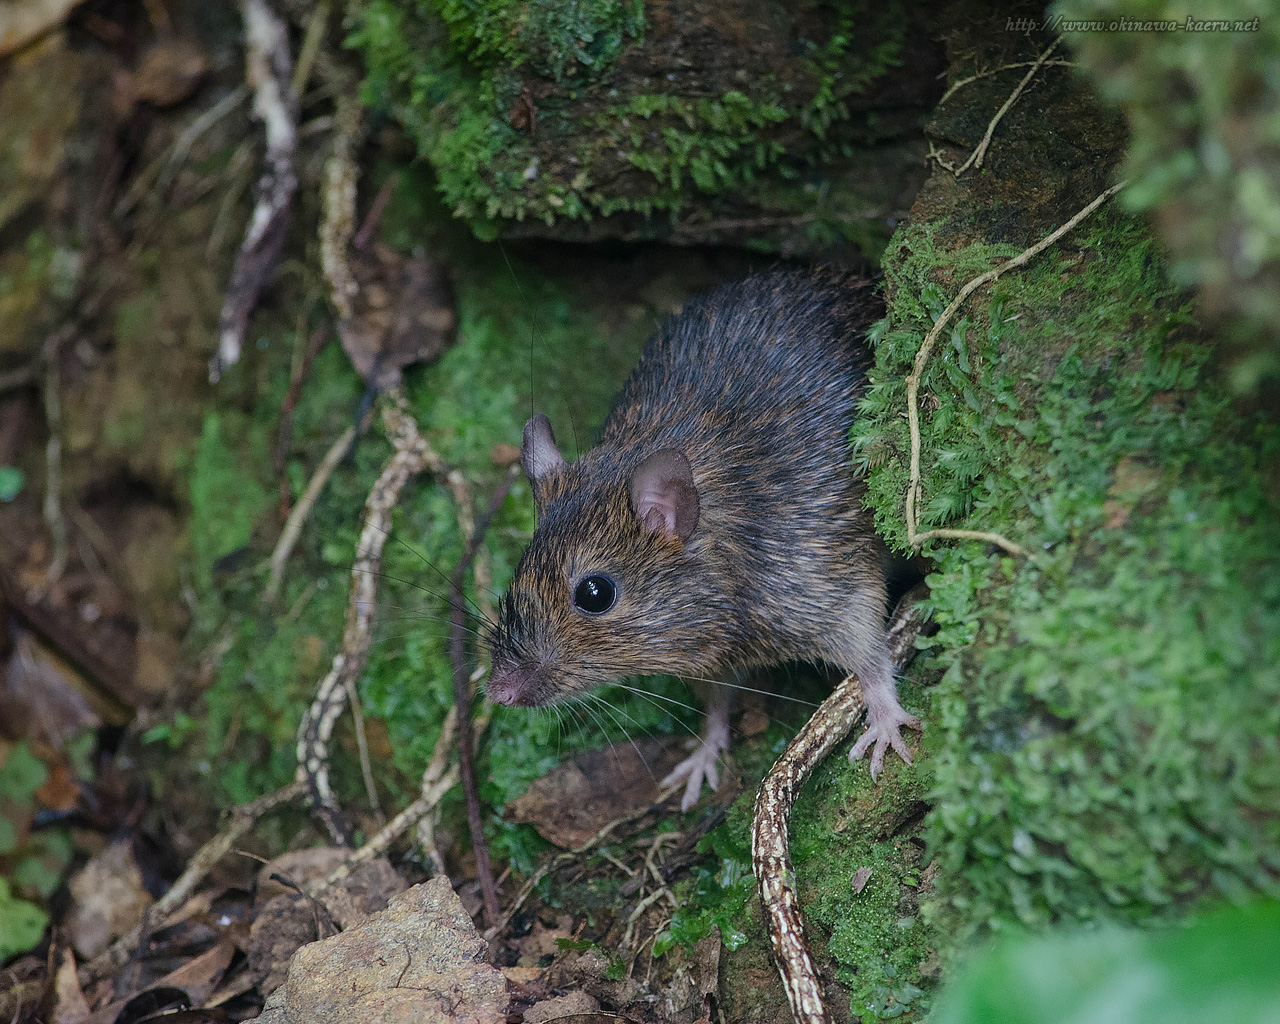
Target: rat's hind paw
[882, 731]
[700, 765]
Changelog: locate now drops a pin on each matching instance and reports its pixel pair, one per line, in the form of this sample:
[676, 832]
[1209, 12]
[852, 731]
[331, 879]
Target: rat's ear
[663, 494]
[538, 452]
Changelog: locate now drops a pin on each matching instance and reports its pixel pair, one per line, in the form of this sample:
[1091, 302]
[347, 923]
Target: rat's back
[770, 364]
[757, 383]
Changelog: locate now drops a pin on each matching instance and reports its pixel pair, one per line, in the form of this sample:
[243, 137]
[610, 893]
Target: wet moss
[1107, 717]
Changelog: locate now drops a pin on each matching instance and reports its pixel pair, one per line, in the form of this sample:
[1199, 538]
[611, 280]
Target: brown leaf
[402, 314]
[169, 72]
[570, 804]
[42, 697]
[69, 1003]
[109, 899]
[200, 976]
[754, 722]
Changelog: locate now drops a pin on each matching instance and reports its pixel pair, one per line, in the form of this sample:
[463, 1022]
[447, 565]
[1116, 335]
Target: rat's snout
[510, 686]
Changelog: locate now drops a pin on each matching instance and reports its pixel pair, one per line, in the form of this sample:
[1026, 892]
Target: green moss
[556, 40]
[844, 821]
[1201, 105]
[1104, 735]
[525, 340]
[523, 114]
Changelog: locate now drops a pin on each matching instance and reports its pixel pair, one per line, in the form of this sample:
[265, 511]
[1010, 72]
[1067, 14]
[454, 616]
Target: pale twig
[976, 157]
[243, 818]
[914, 539]
[412, 455]
[269, 72]
[640, 908]
[298, 516]
[362, 747]
[957, 86]
[427, 824]
[311, 43]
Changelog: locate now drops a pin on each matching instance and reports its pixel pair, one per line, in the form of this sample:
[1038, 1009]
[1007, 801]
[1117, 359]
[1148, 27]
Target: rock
[287, 920]
[421, 961]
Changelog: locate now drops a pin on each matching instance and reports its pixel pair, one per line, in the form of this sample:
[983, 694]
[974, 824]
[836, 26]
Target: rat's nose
[503, 687]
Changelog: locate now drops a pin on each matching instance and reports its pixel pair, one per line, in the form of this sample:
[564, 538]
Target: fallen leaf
[69, 1003]
[572, 803]
[169, 72]
[754, 722]
[859, 880]
[42, 697]
[109, 899]
[402, 313]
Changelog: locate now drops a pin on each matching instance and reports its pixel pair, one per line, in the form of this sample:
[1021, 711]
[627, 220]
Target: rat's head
[607, 586]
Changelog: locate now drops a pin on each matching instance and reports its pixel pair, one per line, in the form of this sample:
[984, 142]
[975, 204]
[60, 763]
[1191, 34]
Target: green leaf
[21, 775]
[1225, 967]
[12, 480]
[21, 923]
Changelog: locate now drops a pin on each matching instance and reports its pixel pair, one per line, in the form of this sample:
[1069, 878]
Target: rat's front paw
[700, 765]
[882, 733]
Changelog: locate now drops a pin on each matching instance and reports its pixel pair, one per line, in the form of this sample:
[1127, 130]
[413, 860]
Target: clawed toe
[879, 736]
[700, 766]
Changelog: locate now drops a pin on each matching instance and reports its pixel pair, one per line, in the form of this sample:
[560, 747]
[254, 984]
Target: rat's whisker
[407, 616]
[653, 699]
[422, 557]
[475, 608]
[651, 696]
[751, 689]
[609, 710]
[596, 698]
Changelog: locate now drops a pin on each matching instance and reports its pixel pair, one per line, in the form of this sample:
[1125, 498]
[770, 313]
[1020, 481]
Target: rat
[719, 524]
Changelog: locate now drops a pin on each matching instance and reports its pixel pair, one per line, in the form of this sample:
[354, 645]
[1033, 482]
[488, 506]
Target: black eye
[595, 594]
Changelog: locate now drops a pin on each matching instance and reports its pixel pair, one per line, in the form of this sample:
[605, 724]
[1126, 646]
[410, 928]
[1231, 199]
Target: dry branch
[412, 455]
[474, 534]
[269, 72]
[298, 516]
[243, 818]
[977, 156]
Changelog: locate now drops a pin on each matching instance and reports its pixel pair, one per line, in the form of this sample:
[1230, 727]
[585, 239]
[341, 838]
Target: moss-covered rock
[1199, 87]
[727, 121]
[1105, 733]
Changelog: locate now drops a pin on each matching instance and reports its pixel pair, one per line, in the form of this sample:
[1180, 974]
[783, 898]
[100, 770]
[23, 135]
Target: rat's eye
[595, 594]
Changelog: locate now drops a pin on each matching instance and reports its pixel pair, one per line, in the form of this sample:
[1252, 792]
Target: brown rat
[719, 524]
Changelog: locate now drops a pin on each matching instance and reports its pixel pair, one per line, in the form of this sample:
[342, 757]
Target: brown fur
[756, 384]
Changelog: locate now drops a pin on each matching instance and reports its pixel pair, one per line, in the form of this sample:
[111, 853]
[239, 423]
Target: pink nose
[503, 688]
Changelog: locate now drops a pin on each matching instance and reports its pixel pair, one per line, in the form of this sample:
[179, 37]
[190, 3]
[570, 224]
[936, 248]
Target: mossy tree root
[770, 859]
